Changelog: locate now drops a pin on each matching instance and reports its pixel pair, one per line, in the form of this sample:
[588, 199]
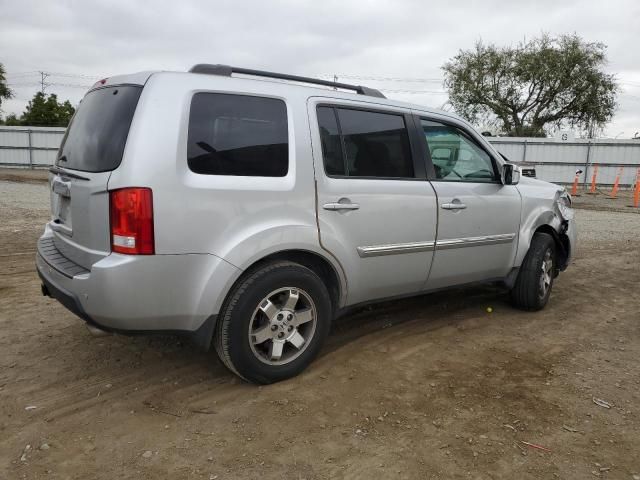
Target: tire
[535, 278]
[279, 303]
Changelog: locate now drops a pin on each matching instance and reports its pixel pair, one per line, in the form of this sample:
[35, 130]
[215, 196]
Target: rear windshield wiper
[59, 171]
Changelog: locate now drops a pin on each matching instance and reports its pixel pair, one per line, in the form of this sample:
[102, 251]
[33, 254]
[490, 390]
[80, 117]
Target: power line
[427, 80]
[392, 79]
[54, 84]
[44, 84]
[23, 84]
[347, 75]
[75, 75]
[54, 74]
[72, 85]
[22, 74]
[417, 92]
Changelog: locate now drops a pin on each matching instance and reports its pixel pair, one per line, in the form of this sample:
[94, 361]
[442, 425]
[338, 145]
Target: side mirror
[510, 174]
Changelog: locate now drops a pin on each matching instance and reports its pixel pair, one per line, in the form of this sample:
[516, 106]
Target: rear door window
[331, 142]
[365, 144]
[95, 139]
[238, 135]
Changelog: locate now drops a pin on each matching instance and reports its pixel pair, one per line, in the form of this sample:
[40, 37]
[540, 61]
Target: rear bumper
[154, 293]
[66, 298]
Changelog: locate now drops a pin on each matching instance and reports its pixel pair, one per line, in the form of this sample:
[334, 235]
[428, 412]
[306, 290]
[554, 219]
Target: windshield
[96, 136]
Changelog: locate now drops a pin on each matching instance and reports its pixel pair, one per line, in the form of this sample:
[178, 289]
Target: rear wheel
[535, 278]
[274, 323]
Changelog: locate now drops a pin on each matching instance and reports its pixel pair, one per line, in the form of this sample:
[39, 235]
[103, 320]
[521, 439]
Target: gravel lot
[429, 387]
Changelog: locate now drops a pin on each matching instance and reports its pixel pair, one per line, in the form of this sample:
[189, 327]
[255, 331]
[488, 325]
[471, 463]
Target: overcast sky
[78, 42]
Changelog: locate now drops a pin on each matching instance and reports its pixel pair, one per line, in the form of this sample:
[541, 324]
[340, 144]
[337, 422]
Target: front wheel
[535, 278]
[274, 323]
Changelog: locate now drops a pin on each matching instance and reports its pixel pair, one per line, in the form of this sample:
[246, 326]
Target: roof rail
[226, 70]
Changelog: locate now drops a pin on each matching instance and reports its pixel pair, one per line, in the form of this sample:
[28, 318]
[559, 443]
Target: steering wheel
[442, 172]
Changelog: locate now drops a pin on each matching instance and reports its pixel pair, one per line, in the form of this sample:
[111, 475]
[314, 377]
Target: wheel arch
[550, 224]
[315, 262]
[545, 221]
[562, 244]
[330, 274]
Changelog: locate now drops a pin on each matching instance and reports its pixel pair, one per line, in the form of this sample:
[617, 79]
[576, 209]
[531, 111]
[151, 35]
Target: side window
[331, 142]
[364, 144]
[238, 135]
[455, 156]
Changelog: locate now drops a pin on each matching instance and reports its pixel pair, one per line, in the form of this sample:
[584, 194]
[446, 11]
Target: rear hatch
[91, 149]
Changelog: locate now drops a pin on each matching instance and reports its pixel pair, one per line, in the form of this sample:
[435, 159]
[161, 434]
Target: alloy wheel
[282, 326]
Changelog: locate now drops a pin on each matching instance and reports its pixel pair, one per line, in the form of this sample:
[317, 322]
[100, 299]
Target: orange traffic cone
[616, 184]
[592, 189]
[574, 188]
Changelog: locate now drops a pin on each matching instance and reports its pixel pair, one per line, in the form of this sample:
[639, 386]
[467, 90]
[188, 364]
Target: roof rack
[226, 70]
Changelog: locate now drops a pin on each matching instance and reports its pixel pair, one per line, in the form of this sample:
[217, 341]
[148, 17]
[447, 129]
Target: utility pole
[43, 84]
[335, 79]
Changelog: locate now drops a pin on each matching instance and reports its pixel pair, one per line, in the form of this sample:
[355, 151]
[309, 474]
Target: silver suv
[249, 209]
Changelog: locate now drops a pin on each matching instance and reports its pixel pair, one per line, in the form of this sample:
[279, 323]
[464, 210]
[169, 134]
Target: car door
[376, 210]
[479, 217]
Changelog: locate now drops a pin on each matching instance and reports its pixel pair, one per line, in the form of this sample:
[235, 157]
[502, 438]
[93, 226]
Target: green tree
[12, 120]
[535, 86]
[5, 91]
[46, 111]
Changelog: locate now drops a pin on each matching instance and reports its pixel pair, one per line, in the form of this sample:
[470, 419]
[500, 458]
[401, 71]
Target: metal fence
[557, 161]
[553, 160]
[29, 146]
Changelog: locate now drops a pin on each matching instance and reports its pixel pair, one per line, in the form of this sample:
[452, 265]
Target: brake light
[99, 83]
[131, 215]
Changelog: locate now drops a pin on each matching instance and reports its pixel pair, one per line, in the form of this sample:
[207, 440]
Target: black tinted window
[331, 144]
[373, 144]
[96, 137]
[238, 135]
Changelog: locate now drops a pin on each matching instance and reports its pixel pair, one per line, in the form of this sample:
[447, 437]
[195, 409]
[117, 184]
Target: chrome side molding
[399, 248]
[395, 249]
[474, 241]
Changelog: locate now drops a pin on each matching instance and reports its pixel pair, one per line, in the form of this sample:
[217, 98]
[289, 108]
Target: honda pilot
[249, 209]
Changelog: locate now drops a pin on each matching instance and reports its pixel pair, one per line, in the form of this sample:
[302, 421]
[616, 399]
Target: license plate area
[64, 211]
[61, 203]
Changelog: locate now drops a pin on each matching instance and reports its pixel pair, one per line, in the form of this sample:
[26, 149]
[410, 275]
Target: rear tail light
[131, 214]
[99, 83]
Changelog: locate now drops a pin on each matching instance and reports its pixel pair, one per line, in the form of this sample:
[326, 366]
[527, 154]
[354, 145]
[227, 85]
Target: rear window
[238, 135]
[95, 139]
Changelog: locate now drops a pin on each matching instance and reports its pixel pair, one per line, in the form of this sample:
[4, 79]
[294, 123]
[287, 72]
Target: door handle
[341, 206]
[454, 206]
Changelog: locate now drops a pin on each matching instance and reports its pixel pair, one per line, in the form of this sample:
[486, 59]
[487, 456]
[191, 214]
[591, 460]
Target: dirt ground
[430, 387]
